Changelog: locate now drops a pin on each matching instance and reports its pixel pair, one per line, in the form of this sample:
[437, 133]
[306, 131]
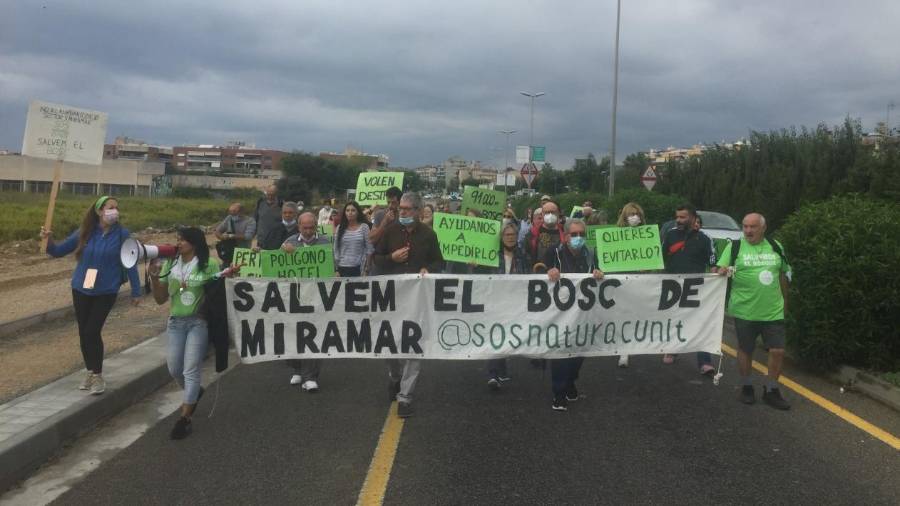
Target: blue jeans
[563, 373]
[703, 358]
[188, 337]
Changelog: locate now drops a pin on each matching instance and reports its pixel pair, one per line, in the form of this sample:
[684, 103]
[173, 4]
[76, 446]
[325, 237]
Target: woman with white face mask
[96, 280]
[632, 215]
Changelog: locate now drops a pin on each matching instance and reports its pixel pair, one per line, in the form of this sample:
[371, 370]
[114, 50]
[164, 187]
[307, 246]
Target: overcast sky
[423, 80]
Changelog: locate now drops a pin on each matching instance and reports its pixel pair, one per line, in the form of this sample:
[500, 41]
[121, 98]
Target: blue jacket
[102, 253]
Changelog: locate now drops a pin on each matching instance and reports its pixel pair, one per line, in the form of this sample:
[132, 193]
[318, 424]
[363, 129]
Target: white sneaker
[296, 379]
[623, 361]
[98, 384]
[86, 382]
[310, 386]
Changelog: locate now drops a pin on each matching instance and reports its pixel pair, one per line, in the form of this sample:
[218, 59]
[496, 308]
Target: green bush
[659, 208]
[844, 304]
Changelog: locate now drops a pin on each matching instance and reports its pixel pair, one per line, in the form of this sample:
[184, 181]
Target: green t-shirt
[186, 299]
[756, 287]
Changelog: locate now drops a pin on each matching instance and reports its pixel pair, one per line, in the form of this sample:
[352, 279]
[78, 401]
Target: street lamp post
[887, 125]
[507, 133]
[532, 96]
[612, 151]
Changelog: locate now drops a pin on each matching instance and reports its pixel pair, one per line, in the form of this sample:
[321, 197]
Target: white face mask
[550, 219]
[634, 220]
[111, 216]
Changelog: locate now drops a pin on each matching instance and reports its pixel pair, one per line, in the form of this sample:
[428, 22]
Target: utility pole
[887, 125]
[612, 151]
[507, 133]
[532, 96]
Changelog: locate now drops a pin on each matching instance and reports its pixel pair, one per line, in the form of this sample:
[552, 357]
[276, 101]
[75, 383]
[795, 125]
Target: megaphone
[133, 251]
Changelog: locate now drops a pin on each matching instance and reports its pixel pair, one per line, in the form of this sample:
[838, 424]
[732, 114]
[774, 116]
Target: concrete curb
[868, 385]
[9, 328]
[143, 371]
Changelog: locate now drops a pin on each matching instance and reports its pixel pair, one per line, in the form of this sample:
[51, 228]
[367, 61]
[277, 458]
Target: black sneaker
[572, 394]
[773, 398]
[182, 428]
[494, 383]
[393, 389]
[560, 403]
[748, 396]
[404, 409]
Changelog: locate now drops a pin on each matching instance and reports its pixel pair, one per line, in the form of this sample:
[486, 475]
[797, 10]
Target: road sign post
[649, 178]
[529, 173]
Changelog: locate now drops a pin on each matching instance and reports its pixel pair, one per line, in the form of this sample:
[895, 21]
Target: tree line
[779, 171]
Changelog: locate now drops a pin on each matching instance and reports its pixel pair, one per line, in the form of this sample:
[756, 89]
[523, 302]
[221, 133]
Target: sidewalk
[35, 426]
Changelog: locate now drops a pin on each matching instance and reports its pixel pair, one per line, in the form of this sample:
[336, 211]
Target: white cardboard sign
[60, 132]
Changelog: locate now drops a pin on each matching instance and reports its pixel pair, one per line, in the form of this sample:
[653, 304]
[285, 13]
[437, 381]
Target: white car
[719, 226]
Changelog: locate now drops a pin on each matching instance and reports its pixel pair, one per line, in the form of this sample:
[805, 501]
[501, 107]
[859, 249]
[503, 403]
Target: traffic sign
[523, 154]
[529, 172]
[649, 178]
[538, 153]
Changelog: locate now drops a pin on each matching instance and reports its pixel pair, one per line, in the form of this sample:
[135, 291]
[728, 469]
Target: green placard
[575, 209]
[591, 239]
[538, 153]
[370, 187]
[304, 262]
[624, 249]
[467, 240]
[489, 203]
[250, 262]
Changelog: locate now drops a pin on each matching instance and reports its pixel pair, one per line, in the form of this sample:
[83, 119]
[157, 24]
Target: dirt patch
[46, 352]
[31, 283]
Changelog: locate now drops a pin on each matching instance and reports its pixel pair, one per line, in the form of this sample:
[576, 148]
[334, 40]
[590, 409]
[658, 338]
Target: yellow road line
[374, 487]
[876, 432]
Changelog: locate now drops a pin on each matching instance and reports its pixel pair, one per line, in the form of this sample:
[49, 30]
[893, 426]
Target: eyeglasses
[577, 234]
[405, 208]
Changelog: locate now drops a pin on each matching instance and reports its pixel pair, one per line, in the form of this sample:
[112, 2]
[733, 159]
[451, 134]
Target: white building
[112, 177]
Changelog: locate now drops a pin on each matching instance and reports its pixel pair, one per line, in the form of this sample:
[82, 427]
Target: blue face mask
[406, 220]
[576, 242]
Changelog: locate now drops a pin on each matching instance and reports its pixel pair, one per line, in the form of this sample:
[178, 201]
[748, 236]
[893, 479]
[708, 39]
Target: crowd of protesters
[397, 238]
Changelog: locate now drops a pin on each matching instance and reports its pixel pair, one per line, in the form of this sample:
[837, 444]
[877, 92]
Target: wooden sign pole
[54, 189]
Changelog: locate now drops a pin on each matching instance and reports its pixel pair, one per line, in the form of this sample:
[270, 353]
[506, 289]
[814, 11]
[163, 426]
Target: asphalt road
[649, 434]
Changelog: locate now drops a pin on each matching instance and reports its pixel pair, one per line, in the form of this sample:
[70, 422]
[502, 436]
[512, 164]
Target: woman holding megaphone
[181, 281]
[96, 280]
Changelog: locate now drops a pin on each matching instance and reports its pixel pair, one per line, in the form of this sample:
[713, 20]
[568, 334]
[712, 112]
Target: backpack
[735, 250]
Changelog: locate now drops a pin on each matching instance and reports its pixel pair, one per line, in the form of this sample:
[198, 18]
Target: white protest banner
[475, 317]
[60, 132]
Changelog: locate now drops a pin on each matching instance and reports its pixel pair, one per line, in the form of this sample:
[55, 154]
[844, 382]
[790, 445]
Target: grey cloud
[422, 81]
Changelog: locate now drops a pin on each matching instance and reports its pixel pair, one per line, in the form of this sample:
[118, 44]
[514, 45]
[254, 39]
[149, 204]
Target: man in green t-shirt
[760, 275]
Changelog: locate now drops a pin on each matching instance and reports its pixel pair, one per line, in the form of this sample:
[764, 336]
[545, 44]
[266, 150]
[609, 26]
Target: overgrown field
[22, 214]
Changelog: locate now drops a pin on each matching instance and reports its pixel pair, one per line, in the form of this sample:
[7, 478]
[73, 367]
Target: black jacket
[563, 259]
[275, 237]
[687, 252]
[216, 313]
